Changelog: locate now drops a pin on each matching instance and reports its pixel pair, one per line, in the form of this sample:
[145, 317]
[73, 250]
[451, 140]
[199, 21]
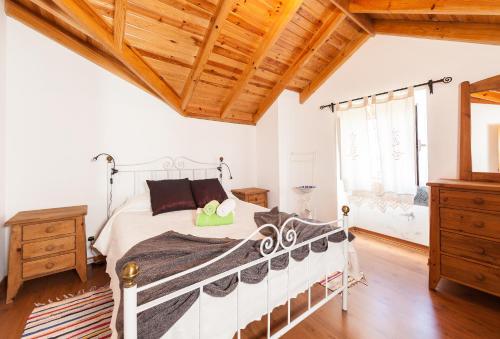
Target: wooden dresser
[257, 196]
[44, 242]
[465, 234]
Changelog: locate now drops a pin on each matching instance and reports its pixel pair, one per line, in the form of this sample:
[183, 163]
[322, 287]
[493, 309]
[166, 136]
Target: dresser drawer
[49, 229]
[258, 199]
[484, 224]
[48, 265]
[486, 251]
[470, 199]
[46, 247]
[482, 277]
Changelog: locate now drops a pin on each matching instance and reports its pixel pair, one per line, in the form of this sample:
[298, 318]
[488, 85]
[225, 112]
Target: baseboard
[98, 259]
[390, 239]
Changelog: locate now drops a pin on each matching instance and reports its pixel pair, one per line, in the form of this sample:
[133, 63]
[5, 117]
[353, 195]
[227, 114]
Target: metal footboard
[270, 248]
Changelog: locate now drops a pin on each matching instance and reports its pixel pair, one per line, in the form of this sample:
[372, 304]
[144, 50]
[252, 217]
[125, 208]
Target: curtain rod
[429, 83]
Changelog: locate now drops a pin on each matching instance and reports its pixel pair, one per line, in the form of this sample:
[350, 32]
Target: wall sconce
[113, 171]
[219, 168]
[110, 160]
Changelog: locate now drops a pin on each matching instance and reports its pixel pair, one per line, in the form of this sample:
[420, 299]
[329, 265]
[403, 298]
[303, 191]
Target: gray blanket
[171, 252]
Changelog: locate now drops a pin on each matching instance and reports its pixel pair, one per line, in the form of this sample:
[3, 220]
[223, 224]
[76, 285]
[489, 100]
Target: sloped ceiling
[229, 60]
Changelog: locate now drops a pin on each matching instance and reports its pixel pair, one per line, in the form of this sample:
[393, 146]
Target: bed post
[129, 273]
[345, 273]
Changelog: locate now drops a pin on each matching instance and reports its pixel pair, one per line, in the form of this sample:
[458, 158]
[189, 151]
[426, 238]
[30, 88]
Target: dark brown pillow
[170, 195]
[207, 190]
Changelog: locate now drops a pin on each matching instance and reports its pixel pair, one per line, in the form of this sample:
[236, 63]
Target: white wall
[62, 110]
[304, 131]
[267, 145]
[485, 123]
[3, 19]
[385, 63]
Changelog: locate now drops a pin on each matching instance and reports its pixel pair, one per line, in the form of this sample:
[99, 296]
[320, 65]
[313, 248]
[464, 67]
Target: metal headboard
[129, 180]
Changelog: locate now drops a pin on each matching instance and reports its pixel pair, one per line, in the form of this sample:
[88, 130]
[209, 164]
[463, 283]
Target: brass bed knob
[129, 272]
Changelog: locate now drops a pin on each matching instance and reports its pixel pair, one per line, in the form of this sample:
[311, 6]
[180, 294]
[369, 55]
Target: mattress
[215, 317]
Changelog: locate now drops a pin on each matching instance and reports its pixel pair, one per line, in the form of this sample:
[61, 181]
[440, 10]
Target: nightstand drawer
[470, 199]
[257, 199]
[482, 250]
[49, 229]
[44, 266]
[482, 277]
[483, 224]
[47, 247]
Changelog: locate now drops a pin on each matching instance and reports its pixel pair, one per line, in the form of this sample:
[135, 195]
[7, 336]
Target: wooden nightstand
[44, 242]
[257, 196]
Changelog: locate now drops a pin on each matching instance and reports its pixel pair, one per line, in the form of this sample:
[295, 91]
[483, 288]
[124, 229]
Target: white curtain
[378, 150]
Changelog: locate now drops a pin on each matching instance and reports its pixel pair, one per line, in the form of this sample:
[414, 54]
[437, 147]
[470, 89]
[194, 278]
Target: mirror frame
[465, 154]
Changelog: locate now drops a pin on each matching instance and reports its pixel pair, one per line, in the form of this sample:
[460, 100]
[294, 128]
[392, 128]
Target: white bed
[133, 223]
[218, 317]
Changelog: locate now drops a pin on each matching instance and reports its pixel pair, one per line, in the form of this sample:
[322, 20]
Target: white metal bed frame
[283, 242]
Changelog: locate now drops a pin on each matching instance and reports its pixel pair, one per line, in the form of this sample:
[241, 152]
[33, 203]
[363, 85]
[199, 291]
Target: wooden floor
[395, 304]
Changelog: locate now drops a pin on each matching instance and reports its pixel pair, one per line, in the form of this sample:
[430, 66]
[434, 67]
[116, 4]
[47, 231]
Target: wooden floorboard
[395, 304]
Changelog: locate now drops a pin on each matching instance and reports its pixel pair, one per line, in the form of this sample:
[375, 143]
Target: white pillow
[141, 202]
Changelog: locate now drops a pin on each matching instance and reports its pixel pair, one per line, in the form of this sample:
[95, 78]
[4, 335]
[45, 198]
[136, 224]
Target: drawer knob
[49, 265]
[478, 201]
[50, 229]
[480, 276]
[49, 248]
[478, 224]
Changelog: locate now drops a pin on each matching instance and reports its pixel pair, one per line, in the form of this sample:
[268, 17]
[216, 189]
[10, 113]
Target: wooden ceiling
[229, 60]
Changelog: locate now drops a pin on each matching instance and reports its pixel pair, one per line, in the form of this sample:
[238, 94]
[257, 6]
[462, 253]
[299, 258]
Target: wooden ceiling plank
[83, 49]
[335, 64]
[272, 35]
[119, 21]
[214, 29]
[455, 31]
[452, 7]
[49, 7]
[362, 20]
[83, 13]
[324, 33]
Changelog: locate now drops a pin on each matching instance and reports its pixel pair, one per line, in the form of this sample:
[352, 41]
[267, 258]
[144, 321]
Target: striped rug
[84, 316]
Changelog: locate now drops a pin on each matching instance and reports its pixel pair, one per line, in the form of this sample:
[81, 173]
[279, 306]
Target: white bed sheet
[133, 223]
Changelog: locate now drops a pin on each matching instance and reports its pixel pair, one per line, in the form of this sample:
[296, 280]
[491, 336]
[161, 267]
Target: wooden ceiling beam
[213, 31]
[448, 7]
[455, 31]
[55, 11]
[333, 66]
[119, 22]
[65, 39]
[287, 12]
[362, 20]
[321, 37]
[83, 14]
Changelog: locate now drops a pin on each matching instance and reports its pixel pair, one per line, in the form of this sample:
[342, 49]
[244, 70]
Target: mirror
[480, 130]
[485, 130]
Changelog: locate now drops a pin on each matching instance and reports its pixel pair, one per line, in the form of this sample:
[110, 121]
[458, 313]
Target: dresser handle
[50, 229]
[49, 248]
[478, 201]
[49, 265]
[480, 277]
[482, 251]
[478, 224]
